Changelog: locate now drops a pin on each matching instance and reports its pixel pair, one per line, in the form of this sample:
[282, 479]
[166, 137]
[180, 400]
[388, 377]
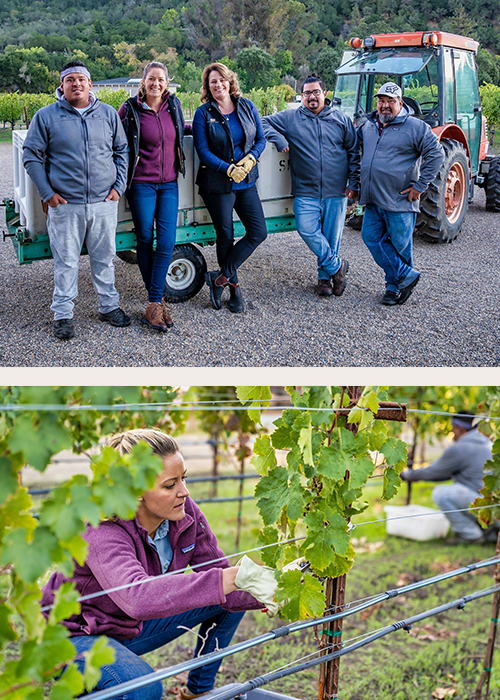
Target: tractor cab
[438, 76]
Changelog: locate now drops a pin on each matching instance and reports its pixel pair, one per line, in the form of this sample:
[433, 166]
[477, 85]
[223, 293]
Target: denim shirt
[161, 544]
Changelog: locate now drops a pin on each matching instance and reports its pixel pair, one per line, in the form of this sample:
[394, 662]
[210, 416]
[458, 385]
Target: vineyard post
[490, 497]
[335, 588]
[485, 676]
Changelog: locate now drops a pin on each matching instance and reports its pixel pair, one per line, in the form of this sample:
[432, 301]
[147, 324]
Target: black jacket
[219, 140]
[132, 126]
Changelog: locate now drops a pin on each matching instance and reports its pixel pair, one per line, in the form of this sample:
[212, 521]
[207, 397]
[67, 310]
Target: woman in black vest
[229, 139]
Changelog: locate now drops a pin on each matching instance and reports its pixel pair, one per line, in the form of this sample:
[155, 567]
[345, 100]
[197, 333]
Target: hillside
[268, 40]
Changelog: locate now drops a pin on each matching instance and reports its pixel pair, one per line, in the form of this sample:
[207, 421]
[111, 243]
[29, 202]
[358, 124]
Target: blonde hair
[161, 444]
[142, 85]
[226, 73]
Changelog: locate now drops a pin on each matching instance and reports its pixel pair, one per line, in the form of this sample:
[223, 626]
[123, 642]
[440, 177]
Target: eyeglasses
[308, 93]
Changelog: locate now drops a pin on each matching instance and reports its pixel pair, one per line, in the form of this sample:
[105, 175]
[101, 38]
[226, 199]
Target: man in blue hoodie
[324, 159]
[76, 153]
[394, 144]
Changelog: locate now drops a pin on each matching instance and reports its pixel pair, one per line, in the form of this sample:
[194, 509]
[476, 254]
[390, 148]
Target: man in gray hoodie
[76, 153]
[464, 463]
[394, 144]
[324, 159]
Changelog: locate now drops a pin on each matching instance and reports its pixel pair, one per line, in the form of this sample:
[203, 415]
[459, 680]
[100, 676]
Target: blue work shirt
[161, 544]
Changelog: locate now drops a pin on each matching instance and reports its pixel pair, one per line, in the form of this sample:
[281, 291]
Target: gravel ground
[451, 320]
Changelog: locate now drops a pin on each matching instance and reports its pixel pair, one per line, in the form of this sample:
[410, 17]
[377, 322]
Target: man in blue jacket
[324, 158]
[76, 153]
[392, 181]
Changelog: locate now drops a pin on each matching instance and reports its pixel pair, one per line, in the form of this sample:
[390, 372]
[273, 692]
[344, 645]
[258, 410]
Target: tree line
[268, 42]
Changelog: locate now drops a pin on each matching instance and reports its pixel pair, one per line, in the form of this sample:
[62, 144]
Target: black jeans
[246, 204]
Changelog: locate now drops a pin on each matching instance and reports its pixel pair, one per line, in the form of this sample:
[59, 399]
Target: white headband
[75, 69]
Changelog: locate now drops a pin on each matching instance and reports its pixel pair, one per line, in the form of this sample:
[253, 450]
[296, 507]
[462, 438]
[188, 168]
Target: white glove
[260, 582]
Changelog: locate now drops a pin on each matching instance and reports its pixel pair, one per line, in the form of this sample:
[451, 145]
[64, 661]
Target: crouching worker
[464, 463]
[169, 532]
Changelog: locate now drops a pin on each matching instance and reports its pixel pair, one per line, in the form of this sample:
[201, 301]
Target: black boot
[215, 289]
[235, 299]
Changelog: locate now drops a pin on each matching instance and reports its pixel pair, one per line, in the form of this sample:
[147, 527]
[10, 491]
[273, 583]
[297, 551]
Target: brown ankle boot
[167, 318]
[153, 316]
[184, 694]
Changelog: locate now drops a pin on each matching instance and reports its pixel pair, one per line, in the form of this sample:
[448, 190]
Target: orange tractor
[438, 75]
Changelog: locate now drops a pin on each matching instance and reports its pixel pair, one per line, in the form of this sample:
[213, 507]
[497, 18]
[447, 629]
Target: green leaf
[8, 479]
[7, 631]
[392, 482]
[69, 685]
[257, 396]
[144, 466]
[14, 513]
[286, 436]
[65, 603]
[68, 508]
[55, 649]
[305, 439]
[395, 452]
[39, 437]
[27, 599]
[361, 469]
[270, 555]
[264, 458]
[334, 462]
[377, 435]
[340, 565]
[100, 654]
[304, 593]
[324, 538]
[31, 559]
[320, 397]
[277, 490]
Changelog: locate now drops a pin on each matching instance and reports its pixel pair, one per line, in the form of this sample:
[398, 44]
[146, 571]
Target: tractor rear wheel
[492, 186]
[444, 205]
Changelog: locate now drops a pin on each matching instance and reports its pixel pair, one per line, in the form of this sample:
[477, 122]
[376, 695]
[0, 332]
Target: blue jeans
[456, 497]
[156, 633]
[149, 202]
[388, 236]
[320, 223]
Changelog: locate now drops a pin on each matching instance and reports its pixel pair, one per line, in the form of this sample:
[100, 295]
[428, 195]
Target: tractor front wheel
[444, 205]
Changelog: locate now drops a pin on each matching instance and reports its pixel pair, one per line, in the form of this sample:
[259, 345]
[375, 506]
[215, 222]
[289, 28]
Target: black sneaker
[390, 298]
[235, 300]
[405, 293]
[63, 329]
[215, 289]
[115, 318]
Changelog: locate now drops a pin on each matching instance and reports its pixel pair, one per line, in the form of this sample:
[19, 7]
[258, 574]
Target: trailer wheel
[128, 256]
[186, 274]
[492, 186]
[444, 205]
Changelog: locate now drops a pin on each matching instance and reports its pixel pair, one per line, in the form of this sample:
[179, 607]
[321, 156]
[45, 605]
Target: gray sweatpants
[69, 225]
[456, 497]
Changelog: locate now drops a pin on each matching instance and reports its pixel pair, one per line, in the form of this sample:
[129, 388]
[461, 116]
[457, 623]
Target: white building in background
[131, 85]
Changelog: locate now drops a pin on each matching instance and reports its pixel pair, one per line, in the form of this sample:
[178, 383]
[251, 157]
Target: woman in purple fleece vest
[169, 532]
[154, 125]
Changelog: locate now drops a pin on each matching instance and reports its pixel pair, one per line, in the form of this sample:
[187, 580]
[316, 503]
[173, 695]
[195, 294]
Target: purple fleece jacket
[119, 553]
